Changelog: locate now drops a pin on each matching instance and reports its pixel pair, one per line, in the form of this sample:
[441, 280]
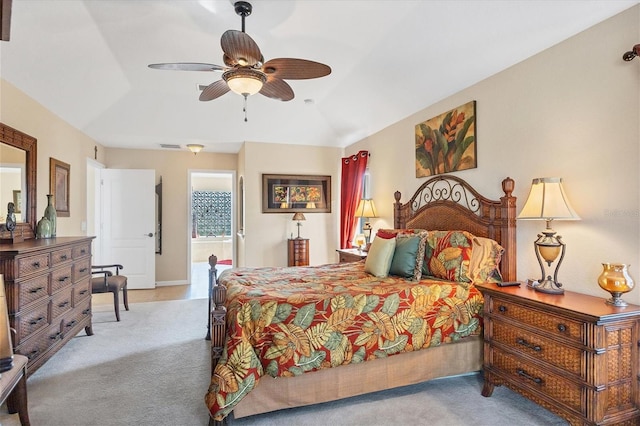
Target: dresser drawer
[30, 291]
[60, 304]
[81, 291]
[39, 343]
[79, 314]
[547, 323]
[81, 269]
[61, 256]
[27, 323]
[537, 377]
[32, 264]
[81, 250]
[61, 278]
[539, 347]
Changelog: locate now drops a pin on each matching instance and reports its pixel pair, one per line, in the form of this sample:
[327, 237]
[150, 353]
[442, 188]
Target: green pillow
[379, 258]
[405, 256]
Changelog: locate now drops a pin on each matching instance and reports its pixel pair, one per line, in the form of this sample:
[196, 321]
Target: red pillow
[386, 235]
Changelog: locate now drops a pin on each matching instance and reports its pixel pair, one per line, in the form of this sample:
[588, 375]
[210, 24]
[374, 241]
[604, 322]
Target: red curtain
[353, 169]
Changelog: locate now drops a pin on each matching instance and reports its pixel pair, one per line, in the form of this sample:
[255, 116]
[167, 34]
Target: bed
[289, 337]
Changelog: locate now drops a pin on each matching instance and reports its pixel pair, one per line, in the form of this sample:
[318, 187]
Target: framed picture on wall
[296, 193]
[59, 184]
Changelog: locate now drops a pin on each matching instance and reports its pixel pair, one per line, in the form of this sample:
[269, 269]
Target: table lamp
[548, 201]
[365, 210]
[299, 217]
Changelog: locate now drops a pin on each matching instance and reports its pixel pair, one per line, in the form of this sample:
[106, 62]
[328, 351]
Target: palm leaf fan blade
[277, 89]
[295, 69]
[240, 49]
[214, 90]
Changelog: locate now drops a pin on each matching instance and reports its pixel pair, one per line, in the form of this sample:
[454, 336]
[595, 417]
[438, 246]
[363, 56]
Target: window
[211, 213]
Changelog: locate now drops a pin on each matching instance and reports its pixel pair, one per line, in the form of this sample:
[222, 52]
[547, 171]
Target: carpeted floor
[152, 369]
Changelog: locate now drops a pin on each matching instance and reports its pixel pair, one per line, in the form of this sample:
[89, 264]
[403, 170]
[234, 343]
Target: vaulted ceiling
[87, 62]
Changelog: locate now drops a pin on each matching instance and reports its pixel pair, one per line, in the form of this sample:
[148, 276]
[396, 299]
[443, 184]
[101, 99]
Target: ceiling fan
[245, 72]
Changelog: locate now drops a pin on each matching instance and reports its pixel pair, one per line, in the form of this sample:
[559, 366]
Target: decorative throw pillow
[405, 255]
[379, 258]
[447, 255]
[485, 261]
[385, 234]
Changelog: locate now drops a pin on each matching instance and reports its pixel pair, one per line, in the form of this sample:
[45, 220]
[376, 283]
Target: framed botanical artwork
[59, 184]
[447, 143]
[296, 193]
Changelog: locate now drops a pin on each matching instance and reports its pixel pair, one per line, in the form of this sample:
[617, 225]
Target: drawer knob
[36, 321]
[70, 324]
[35, 290]
[522, 373]
[526, 344]
[562, 328]
[63, 304]
[63, 257]
[502, 308]
[83, 270]
[36, 264]
[63, 279]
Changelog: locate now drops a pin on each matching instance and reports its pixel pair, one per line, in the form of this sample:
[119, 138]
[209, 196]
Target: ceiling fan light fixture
[244, 81]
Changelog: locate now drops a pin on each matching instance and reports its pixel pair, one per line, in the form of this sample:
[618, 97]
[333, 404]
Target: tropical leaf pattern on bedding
[287, 321]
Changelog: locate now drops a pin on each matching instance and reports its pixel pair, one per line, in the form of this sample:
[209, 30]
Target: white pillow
[380, 256]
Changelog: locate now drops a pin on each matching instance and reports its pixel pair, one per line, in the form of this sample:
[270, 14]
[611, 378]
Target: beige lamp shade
[299, 216]
[366, 208]
[547, 200]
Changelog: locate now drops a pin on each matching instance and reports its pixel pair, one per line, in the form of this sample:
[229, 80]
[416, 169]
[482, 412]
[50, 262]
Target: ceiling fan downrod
[243, 9]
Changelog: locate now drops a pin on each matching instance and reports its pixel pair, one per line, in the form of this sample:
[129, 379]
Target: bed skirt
[345, 381]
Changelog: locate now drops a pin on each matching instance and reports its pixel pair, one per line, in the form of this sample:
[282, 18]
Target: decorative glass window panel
[211, 213]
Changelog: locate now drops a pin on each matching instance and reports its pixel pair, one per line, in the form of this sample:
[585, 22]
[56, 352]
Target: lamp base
[549, 286]
[616, 300]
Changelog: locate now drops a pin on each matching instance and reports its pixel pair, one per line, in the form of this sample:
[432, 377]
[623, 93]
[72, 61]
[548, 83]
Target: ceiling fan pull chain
[244, 107]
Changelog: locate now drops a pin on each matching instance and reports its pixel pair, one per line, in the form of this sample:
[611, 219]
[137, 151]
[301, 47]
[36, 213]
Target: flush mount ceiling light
[195, 147]
[245, 72]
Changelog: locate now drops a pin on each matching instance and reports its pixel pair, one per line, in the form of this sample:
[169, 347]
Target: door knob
[150, 234]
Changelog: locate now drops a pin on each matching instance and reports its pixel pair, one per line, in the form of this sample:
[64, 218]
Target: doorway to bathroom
[211, 222]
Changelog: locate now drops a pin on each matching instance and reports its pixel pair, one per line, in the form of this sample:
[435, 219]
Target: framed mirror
[19, 161]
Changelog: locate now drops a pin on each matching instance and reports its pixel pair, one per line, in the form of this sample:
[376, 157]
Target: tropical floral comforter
[288, 321]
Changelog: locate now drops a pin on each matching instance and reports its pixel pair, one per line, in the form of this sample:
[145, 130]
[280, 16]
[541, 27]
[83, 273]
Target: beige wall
[57, 139]
[571, 111]
[174, 166]
[266, 234]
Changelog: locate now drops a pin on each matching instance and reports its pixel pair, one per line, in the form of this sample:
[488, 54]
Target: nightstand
[351, 255]
[298, 252]
[572, 354]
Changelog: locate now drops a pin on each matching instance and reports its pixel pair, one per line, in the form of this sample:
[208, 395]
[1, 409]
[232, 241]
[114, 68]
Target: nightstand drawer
[534, 376]
[565, 357]
[547, 323]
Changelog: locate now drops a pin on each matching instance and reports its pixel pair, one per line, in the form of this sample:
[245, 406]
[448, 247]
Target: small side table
[351, 255]
[298, 252]
[13, 389]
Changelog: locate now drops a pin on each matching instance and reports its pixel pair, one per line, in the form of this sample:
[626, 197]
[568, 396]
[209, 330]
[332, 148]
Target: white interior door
[128, 224]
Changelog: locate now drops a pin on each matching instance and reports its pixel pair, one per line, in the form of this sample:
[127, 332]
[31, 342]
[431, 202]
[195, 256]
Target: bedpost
[508, 265]
[217, 323]
[396, 211]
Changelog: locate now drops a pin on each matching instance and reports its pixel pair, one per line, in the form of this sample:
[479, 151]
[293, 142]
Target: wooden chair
[107, 281]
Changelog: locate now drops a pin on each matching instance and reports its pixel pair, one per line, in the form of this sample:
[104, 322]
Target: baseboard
[170, 283]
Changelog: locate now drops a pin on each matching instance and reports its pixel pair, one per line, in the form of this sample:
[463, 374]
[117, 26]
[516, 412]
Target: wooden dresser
[47, 283]
[298, 252]
[573, 354]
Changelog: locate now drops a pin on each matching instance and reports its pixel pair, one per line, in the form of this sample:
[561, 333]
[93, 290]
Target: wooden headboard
[448, 203]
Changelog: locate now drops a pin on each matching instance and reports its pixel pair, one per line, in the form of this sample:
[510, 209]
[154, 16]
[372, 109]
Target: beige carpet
[152, 369]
